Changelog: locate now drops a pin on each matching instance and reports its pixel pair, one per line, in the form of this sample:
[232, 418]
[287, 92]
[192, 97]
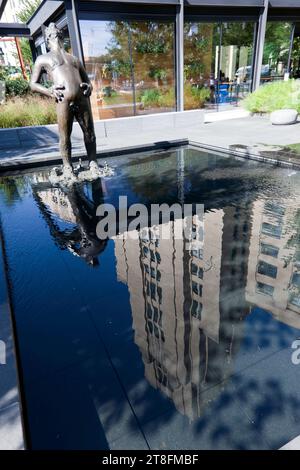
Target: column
[259, 48]
[74, 30]
[179, 57]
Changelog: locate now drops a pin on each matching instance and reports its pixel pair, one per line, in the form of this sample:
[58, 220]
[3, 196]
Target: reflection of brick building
[174, 296]
[274, 262]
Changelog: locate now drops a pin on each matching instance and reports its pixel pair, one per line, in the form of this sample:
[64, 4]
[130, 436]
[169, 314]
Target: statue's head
[53, 35]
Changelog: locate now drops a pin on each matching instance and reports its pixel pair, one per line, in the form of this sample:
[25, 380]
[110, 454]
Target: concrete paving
[11, 433]
[293, 445]
[36, 145]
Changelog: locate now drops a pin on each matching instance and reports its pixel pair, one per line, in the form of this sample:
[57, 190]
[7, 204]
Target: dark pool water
[143, 343]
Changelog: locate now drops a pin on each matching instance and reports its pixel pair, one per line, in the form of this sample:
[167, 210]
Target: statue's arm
[53, 92]
[35, 78]
[86, 85]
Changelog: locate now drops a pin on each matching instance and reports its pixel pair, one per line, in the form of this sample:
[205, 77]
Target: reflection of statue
[71, 90]
[75, 208]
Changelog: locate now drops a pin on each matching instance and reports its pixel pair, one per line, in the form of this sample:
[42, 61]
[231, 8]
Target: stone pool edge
[19, 163]
[12, 427]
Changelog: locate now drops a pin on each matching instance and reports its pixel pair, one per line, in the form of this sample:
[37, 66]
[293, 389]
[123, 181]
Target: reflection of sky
[95, 37]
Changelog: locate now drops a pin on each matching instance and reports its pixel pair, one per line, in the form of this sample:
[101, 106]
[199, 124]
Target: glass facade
[130, 56]
[218, 60]
[276, 51]
[131, 65]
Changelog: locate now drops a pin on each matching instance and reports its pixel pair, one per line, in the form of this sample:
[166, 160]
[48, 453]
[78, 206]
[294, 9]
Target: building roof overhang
[14, 30]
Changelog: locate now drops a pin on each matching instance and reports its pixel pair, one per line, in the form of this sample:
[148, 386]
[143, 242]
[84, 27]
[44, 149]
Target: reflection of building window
[267, 269]
[296, 279]
[159, 293]
[197, 288]
[271, 230]
[152, 290]
[153, 313]
[274, 208]
[145, 251]
[294, 299]
[269, 250]
[197, 253]
[155, 274]
[197, 271]
[264, 288]
[152, 255]
[196, 309]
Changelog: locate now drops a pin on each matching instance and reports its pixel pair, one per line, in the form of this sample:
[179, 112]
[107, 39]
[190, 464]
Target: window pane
[276, 51]
[264, 288]
[200, 63]
[218, 62]
[107, 61]
[236, 59]
[131, 65]
[267, 269]
[269, 250]
[154, 66]
[271, 230]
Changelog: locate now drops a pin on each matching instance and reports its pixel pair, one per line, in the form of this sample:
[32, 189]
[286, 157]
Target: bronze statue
[71, 90]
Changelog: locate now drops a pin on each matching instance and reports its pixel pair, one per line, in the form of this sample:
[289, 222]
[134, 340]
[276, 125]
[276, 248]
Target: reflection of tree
[12, 189]
[238, 34]
[201, 40]
[151, 42]
[199, 43]
[277, 43]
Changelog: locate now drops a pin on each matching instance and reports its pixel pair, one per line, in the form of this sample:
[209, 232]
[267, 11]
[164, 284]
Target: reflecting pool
[139, 342]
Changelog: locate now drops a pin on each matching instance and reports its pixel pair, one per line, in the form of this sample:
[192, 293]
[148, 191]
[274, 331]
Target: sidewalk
[36, 145]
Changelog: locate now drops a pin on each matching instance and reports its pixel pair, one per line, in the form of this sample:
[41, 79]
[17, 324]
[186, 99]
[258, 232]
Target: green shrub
[27, 111]
[168, 99]
[4, 74]
[273, 96]
[151, 97]
[16, 87]
[195, 98]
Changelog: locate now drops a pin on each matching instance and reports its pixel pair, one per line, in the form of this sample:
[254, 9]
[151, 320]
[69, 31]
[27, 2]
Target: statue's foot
[94, 166]
[68, 172]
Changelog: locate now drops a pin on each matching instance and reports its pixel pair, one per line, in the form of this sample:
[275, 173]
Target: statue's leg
[84, 117]
[65, 118]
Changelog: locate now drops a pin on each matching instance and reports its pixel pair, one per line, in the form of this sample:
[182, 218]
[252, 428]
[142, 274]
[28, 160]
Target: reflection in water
[186, 340]
[274, 261]
[76, 207]
[189, 306]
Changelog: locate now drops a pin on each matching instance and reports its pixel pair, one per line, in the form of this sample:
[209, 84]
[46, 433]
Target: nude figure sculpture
[71, 89]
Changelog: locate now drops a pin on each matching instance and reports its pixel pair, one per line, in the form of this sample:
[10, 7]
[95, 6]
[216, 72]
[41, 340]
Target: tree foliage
[27, 8]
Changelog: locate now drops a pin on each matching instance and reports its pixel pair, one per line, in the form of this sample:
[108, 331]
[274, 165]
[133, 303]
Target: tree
[277, 43]
[27, 8]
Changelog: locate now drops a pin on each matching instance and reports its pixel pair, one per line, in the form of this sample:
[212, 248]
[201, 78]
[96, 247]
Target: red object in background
[21, 60]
